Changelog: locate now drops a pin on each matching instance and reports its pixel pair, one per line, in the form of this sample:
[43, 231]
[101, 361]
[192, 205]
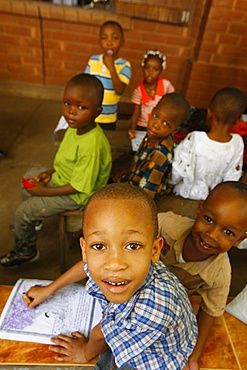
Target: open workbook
[69, 309]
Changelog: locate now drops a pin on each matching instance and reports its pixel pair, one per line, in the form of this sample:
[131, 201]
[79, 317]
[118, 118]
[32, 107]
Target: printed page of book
[69, 309]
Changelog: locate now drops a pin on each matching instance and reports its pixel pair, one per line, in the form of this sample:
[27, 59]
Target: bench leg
[63, 243]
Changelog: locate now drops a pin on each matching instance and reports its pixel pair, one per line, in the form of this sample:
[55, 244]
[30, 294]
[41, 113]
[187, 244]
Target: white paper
[69, 309]
[238, 306]
[139, 136]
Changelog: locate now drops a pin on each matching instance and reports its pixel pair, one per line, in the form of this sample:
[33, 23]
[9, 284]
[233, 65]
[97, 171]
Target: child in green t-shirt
[81, 166]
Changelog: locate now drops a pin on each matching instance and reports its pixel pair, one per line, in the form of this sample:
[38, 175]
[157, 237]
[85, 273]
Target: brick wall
[222, 57]
[44, 45]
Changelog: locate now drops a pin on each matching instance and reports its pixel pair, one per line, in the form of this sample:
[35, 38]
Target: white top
[201, 163]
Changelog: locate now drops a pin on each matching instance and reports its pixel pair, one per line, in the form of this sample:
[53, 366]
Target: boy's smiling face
[78, 109]
[221, 222]
[118, 246]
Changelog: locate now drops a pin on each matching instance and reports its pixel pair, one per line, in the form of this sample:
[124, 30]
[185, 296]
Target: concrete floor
[26, 127]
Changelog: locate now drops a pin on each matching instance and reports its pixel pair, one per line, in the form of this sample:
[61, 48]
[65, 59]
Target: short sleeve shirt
[156, 329]
[210, 278]
[97, 68]
[147, 106]
[84, 162]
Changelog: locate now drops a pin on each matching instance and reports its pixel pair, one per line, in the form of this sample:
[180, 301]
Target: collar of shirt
[207, 268]
[122, 309]
[141, 331]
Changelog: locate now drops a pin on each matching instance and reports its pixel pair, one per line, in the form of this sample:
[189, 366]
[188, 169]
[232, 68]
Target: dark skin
[220, 224]
[151, 72]
[112, 39]
[80, 111]
[244, 178]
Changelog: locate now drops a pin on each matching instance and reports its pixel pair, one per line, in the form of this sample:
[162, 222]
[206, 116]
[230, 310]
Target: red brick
[222, 4]
[32, 9]
[230, 52]
[229, 39]
[69, 43]
[70, 14]
[5, 6]
[240, 29]
[232, 61]
[217, 26]
[18, 7]
[9, 40]
[241, 4]
[243, 42]
[10, 59]
[209, 48]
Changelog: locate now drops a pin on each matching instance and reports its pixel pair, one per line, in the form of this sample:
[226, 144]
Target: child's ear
[198, 210]
[209, 113]
[83, 249]
[243, 237]
[176, 130]
[157, 246]
[98, 111]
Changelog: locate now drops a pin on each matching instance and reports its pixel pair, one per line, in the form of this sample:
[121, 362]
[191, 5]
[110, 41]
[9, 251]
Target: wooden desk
[225, 349]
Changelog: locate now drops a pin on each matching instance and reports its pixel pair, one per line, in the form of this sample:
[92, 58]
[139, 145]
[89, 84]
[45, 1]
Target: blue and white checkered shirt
[156, 329]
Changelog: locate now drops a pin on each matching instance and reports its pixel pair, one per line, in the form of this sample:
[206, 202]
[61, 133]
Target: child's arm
[118, 85]
[244, 178]
[78, 349]
[45, 176]
[134, 120]
[38, 294]
[205, 324]
[40, 190]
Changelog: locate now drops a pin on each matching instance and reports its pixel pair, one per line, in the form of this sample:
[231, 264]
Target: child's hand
[191, 365]
[109, 61]
[37, 294]
[70, 349]
[132, 134]
[38, 189]
[43, 177]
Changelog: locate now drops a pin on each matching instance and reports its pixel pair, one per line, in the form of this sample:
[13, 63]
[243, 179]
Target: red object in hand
[27, 183]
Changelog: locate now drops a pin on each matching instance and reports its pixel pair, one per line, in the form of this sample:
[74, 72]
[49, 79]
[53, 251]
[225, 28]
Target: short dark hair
[94, 88]
[112, 23]
[126, 191]
[179, 103]
[238, 187]
[228, 104]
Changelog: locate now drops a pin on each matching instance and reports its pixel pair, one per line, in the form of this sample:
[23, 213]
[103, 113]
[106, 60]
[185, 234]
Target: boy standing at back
[195, 251]
[151, 167]
[204, 159]
[113, 71]
[81, 166]
[147, 321]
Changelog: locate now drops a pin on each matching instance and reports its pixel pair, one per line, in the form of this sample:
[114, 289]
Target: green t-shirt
[84, 162]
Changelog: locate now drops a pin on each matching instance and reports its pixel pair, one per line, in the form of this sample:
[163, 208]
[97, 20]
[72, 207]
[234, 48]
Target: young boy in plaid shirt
[147, 320]
[151, 167]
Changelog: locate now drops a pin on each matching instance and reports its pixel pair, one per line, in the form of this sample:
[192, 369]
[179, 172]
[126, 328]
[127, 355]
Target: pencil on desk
[26, 298]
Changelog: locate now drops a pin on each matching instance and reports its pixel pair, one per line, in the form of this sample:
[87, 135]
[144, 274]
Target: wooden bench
[69, 222]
